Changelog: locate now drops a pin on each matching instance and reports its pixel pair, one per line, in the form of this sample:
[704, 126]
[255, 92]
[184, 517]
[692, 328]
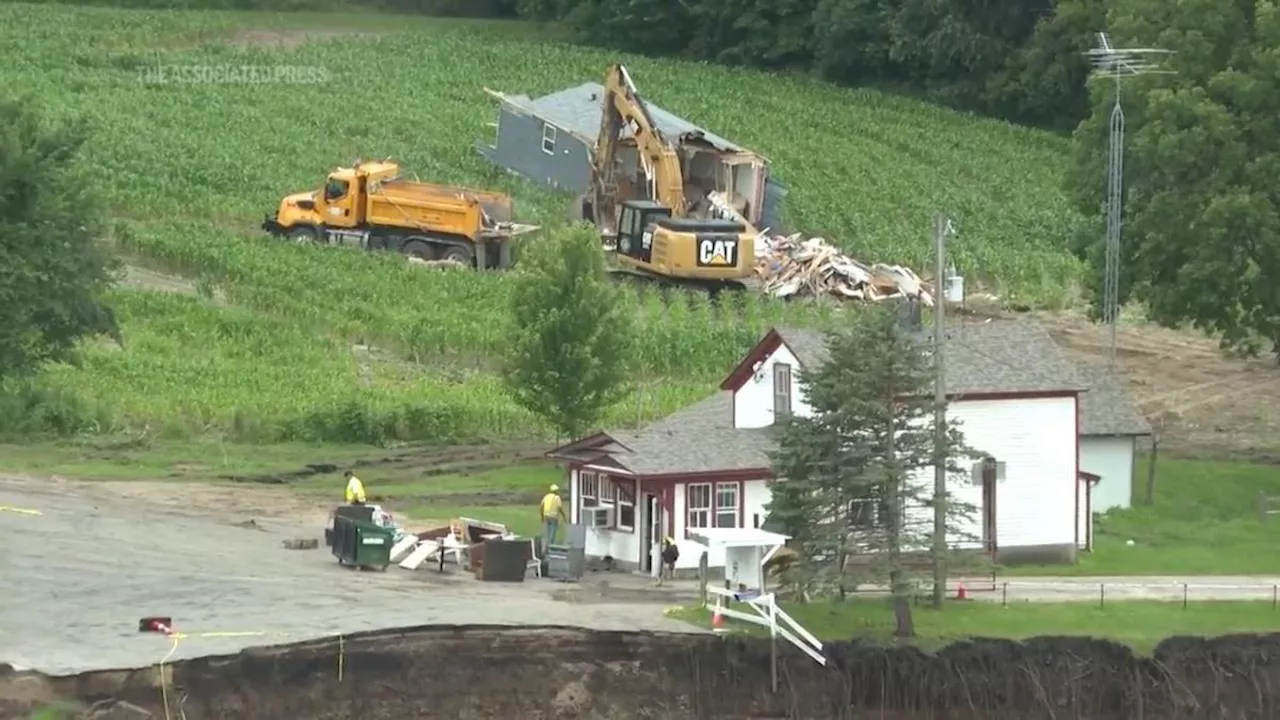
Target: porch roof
[698, 439]
[737, 537]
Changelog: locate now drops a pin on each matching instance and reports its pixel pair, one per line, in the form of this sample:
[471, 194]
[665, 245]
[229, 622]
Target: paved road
[79, 576]
[1163, 587]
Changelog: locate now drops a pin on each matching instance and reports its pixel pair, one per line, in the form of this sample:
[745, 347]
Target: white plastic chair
[535, 563]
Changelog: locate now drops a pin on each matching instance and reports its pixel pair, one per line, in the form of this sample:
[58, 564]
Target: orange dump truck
[371, 206]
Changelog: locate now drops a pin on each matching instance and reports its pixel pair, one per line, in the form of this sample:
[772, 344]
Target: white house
[1110, 426]
[708, 465]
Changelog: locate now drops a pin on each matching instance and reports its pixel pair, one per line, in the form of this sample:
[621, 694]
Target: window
[713, 505]
[781, 390]
[726, 505]
[588, 492]
[869, 514]
[335, 189]
[699, 505]
[549, 138]
[624, 494]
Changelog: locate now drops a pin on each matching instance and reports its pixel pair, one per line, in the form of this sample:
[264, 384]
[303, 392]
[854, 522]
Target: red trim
[711, 476]
[743, 371]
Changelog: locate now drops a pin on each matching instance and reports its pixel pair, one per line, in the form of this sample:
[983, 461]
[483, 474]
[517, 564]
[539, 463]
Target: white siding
[1110, 458]
[1036, 500]
[753, 402]
[755, 495]
[620, 545]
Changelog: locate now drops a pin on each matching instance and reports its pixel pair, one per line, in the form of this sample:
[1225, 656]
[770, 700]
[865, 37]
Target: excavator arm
[623, 107]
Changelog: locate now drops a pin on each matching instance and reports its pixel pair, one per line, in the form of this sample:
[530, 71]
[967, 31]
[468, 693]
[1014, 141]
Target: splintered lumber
[793, 267]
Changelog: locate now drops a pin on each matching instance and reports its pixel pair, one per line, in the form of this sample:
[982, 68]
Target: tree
[1201, 234]
[571, 339]
[54, 269]
[854, 476]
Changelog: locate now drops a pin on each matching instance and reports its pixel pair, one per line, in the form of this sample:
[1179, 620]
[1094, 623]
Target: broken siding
[519, 148]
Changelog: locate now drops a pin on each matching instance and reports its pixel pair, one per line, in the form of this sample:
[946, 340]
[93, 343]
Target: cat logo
[717, 252]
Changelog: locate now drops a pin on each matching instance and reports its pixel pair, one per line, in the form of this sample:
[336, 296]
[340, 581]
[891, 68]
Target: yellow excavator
[655, 237]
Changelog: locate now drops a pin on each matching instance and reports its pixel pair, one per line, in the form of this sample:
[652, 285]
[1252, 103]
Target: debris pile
[790, 266]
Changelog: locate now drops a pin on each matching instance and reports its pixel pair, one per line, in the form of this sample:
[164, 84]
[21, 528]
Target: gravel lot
[80, 575]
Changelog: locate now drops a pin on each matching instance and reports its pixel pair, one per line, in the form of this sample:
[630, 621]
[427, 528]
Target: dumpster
[359, 513]
[360, 544]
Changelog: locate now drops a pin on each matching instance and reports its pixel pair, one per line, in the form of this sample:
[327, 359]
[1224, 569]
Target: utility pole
[941, 228]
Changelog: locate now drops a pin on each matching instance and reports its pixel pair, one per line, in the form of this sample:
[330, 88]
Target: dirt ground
[99, 556]
[1200, 401]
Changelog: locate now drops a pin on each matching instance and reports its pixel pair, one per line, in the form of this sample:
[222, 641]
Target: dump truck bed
[459, 211]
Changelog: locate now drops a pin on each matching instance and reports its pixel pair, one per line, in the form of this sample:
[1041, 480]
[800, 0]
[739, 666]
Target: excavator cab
[687, 249]
[635, 237]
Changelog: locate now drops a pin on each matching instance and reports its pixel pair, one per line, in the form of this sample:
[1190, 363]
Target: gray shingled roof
[1005, 356]
[997, 356]
[1107, 408]
[696, 439]
[577, 110]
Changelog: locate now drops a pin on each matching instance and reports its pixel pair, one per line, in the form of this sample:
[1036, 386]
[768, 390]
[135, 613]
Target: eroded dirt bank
[466, 673]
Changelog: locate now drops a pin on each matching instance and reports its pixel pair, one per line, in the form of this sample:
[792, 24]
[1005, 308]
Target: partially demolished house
[549, 140]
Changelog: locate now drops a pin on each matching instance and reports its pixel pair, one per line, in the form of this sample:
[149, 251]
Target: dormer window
[781, 390]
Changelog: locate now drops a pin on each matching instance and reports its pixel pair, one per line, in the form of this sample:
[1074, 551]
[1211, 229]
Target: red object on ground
[156, 624]
[961, 592]
[717, 620]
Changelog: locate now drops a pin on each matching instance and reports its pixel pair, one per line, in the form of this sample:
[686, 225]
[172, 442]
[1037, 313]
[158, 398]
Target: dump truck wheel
[459, 254]
[418, 249]
[304, 236]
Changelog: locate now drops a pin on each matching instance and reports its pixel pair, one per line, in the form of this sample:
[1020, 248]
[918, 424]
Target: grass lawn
[425, 483]
[1141, 625]
[1204, 522]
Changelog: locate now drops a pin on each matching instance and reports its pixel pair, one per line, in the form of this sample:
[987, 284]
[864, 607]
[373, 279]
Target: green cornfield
[270, 341]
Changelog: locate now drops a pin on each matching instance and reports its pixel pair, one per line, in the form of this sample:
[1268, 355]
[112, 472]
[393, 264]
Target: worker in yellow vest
[355, 489]
[551, 512]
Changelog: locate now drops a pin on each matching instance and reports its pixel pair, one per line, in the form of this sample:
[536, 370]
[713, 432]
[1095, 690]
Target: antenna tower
[1117, 64]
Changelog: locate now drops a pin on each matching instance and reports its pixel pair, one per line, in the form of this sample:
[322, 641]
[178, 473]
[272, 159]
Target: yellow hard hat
[555, 488]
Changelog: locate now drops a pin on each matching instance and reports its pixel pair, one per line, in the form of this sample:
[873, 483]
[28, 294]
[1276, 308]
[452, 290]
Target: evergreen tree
[856, 476]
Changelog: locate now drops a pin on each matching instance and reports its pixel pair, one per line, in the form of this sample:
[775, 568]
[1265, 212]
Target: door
[989, 510]
[650, 534]
[338, 200]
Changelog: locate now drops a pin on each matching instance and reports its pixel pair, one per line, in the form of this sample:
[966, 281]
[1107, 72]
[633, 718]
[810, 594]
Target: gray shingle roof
[577, 110]
[1005, 356]
[999, 356]
[1107, 408]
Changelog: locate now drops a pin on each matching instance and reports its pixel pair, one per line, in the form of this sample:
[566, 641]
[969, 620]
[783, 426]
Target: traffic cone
[961, 592]
[717, 620]
[162, 625]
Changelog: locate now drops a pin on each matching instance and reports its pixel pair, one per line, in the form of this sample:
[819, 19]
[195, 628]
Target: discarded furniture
[568, 560]
[359, 544]
[505, 560]
[535, 562]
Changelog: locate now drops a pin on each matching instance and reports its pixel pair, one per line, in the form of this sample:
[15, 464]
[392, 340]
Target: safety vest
[355, 490]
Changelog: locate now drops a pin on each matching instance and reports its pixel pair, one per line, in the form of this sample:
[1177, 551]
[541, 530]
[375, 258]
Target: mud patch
[141, 278]
[474, 672]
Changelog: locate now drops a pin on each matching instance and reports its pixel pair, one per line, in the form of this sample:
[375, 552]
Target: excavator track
[640, 278]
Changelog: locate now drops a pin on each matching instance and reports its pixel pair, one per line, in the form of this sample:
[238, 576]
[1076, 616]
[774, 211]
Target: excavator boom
[623, 107]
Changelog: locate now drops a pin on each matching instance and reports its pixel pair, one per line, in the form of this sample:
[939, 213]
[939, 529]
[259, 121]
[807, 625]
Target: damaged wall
[466, 673]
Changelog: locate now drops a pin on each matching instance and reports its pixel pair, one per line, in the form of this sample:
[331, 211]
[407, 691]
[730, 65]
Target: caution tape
[20, 511]
[178, 637]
